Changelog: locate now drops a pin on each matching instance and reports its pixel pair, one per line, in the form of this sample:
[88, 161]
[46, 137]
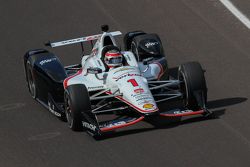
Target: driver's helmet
[113, 58]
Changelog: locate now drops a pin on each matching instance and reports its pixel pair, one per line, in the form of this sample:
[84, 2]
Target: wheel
[134, 50]
[76, 101]
[193, 85]
[31, 80]
[128, 38]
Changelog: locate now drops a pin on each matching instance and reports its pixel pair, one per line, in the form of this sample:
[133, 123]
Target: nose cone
[143, 102]
[134, 89]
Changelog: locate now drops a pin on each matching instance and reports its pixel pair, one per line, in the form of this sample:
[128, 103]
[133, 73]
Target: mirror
[94, 70]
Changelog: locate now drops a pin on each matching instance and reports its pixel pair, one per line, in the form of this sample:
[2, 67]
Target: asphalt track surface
[191, 30]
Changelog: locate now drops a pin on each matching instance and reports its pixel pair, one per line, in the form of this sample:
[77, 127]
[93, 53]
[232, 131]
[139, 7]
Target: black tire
[134, 50]
[76, 101]
[193, 81]
[128, 38]
[31, 82]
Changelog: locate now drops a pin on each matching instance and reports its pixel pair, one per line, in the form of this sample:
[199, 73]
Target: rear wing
[79, 40]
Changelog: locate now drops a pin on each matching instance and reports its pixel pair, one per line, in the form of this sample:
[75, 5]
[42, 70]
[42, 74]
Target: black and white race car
[82, 94]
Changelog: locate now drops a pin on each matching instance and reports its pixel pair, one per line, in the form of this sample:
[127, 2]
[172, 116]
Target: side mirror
[147, 60]
[94, 70]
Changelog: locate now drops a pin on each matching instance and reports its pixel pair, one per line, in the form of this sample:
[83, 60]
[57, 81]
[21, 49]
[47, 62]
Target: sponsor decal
[134, 74]
[148, 44]
[123, 69]
[92, 37]
[120, 77]
[89, 126]
[68, 42]
[140, 95]
[182, 111]
[115, 124]
[143, 102]
[148, 106]
[73, 40]
[47, 61]
[144, 98]
[139, 91]
[52, 110]
[96, 87]
[125, 75]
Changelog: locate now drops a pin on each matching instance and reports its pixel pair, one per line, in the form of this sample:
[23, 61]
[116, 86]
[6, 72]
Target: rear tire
[76, 101]
[128, 37]
[31, 80]
[192, 83]
[134, 50]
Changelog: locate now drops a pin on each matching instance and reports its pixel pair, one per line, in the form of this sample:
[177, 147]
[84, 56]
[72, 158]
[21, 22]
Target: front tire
[193, 85]
[76, 101]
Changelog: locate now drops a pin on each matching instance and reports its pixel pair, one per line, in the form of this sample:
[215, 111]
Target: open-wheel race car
[128, 85]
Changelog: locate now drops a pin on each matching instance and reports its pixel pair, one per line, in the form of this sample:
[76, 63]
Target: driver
[113, 59]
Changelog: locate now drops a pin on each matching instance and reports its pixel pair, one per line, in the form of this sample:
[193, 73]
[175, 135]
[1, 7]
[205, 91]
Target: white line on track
[229, 5]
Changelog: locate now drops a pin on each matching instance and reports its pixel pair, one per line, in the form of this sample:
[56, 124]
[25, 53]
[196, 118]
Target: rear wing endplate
[79, 40]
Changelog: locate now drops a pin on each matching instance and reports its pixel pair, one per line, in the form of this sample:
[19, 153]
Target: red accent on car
[133, 82]
[183, 114]
[161, 71]
[65, 82]
[139, 90]
[112, 54]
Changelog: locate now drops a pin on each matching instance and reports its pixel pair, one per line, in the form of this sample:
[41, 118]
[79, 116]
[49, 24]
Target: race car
[94, 97]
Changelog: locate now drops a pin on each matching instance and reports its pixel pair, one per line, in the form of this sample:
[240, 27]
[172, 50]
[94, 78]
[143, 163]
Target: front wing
[96, 128]
[100, 127]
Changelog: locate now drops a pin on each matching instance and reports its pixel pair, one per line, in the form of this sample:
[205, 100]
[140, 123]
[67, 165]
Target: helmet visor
[114, 61]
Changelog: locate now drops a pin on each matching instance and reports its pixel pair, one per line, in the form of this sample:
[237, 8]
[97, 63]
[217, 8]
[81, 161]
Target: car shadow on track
[225, 102]
[216, 106]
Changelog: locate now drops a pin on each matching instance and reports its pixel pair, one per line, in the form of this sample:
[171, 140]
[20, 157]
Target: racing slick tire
[31, 82]
[129, 36]
[134, 50]
[76, 101]
[193, 83]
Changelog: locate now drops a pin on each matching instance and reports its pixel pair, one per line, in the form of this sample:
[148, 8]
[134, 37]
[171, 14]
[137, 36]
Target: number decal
[133, 82]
